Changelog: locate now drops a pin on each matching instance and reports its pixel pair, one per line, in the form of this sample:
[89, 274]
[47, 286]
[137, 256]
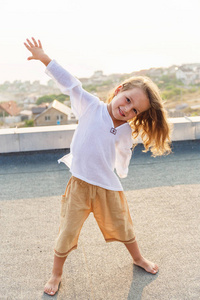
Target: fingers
[27, 46]
[40, 44]
[30, 45]
[35, 48]
[34, 41]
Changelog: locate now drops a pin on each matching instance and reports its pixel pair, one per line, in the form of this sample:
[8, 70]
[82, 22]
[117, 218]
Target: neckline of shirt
[111, 121]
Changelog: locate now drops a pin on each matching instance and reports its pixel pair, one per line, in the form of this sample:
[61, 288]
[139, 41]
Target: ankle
[56, 273]
[138, 258]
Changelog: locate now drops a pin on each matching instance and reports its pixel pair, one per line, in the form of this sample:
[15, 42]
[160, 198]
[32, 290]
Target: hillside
[179, 100]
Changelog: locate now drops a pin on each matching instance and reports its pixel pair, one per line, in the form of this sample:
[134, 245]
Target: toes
[52, 293]
[51, 288]
[48, 290]
[155, 269]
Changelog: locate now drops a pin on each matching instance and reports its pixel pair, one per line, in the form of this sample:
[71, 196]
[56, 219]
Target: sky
[87, 35]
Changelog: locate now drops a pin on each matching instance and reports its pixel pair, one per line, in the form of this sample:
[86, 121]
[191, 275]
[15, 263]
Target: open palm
[35, 48]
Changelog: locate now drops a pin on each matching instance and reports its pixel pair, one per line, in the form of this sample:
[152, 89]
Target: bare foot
[147, 265]
[51, 287]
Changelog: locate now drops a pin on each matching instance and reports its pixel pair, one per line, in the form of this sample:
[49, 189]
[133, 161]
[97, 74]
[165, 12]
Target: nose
[127, 108]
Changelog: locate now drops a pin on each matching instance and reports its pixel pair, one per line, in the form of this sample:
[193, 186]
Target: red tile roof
[10, 107]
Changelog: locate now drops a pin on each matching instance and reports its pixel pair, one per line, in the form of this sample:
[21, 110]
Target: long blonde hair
[151, 125]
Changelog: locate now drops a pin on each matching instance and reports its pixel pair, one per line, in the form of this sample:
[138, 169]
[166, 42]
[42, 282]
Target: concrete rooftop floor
[163, 195]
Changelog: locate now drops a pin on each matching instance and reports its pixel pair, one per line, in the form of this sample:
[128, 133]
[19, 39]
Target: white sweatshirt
[97, 147]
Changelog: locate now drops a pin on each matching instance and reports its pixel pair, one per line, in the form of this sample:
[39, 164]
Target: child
[102, 142]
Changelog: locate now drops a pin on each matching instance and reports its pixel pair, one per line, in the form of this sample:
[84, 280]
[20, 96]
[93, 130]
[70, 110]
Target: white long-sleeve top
[97, 147]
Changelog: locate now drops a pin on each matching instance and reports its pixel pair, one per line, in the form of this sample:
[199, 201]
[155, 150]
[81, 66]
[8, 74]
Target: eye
[128, 100]
[135, 111]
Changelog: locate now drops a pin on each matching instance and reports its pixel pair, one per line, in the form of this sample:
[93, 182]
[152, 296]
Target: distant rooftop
[10, 108]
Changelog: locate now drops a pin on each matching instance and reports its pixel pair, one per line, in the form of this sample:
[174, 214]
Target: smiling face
[127, 104]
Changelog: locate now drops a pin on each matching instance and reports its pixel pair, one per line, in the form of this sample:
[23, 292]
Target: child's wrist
[45, 59]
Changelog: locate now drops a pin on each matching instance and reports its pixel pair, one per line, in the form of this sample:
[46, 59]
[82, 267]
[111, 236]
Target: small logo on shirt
[113, 130]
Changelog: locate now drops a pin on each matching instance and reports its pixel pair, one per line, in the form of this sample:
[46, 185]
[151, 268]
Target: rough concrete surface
[166, 222]
[165, 209]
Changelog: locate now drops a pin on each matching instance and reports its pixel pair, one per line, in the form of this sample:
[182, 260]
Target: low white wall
[187, 128]
[60, 136]
[36, 138]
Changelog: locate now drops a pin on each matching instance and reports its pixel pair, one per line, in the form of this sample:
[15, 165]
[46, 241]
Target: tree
[51, 98]
[29, 123]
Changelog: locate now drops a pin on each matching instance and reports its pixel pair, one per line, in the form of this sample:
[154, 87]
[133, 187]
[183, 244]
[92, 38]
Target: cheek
[132, 115]
[116, 105]
[114, 102]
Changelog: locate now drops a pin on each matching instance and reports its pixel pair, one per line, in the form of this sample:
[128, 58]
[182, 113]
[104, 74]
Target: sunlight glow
[116, 37]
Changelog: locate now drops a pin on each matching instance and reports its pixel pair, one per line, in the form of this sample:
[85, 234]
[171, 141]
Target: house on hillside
[56, 114]
[9, 112]
[37, 110]
[186, 75]
[26, 114]
[98, 77]
[155, 72]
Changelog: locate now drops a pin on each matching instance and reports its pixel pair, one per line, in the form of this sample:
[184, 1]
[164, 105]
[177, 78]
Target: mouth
[121, 113]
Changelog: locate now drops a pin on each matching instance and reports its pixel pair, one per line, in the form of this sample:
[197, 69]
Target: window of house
[47, 118]
[59, 117]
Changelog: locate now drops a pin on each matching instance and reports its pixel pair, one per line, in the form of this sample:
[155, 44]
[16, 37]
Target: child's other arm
[123, 153]
[37, 51]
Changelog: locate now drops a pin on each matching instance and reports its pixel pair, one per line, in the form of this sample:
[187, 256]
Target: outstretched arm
[37, 51]
[67, 83]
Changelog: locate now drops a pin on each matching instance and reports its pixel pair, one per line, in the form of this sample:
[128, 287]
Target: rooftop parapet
[59, 137]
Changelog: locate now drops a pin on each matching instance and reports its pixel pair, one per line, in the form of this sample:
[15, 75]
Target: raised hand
[37, 51]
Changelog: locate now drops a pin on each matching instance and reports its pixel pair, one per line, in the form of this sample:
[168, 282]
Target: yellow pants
[110, 210]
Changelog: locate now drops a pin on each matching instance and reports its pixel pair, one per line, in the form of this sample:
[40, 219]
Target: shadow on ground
[30, 175]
